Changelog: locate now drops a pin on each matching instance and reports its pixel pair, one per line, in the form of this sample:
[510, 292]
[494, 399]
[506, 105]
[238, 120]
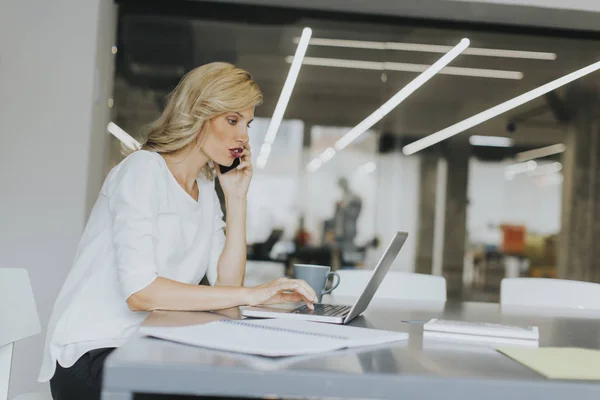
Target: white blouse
[143, 225]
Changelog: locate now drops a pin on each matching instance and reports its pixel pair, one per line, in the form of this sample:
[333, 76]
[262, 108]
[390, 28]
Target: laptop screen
[383, 266]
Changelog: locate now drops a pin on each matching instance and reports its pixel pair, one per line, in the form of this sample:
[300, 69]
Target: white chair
[18, 319]
[548, 292]
[395, 285]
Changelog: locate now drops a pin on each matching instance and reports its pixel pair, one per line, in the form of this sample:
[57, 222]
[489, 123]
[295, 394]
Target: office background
[68, 68]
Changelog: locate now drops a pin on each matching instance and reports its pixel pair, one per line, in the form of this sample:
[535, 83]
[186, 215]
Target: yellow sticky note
[558, 362]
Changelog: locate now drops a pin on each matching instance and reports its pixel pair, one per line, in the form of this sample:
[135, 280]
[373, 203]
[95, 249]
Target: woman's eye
[249, 123]
[231, 121]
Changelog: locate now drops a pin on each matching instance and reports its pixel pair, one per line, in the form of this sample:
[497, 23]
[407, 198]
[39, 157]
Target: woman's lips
[237, 152]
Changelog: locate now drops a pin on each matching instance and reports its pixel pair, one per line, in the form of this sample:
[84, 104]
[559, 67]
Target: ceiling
[154, 51]
[578, 15]
[583, 5]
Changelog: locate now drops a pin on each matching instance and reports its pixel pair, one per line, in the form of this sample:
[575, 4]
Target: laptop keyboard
[328, 310]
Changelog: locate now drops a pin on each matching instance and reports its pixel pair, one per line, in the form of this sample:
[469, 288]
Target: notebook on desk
[273, 337]
[336, 313]
[559, 363]
[482, 332]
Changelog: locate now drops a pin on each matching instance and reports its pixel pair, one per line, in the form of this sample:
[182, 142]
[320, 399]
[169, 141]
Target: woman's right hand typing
[282, 290]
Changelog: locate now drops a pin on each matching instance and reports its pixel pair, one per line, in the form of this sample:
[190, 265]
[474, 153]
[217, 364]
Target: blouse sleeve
[133, 203]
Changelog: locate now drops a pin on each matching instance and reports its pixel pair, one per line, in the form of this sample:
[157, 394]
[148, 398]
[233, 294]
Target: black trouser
[83, 381]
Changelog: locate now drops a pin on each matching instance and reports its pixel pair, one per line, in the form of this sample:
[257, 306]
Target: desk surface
[417, 368]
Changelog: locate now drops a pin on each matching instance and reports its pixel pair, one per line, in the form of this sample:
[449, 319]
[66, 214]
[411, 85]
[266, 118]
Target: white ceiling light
[340, 63]
[408, 67]
[327, 155]
[459, 71]
[284, 97]
[394, 101]
[123, 136]
[366, 169]
[520, 168]
[314, 165]
[429, 48]
[541, 152]
[497, 110]
[548, 168]
[492, 141]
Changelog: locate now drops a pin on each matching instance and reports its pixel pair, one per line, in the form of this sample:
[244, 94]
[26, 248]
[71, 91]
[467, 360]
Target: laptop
[333, 313]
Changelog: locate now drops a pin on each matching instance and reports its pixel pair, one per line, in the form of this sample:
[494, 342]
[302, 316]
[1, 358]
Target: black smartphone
[225, 169]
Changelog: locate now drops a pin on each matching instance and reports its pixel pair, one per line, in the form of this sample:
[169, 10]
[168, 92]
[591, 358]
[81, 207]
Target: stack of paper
[481, 332]
[559, 363]
[273, 337]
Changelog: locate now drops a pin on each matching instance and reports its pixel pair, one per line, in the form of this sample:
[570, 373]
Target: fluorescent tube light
[541, 152]
[402, 95]
[408, 67]
[314, 165]
[548, 168]
[519, 168]
[123, 136]
[395, 100]
[285, 95]
[366, 168]
[429, 48]
[497, 110]
[327, 154]
[340, 63]
[492, 141]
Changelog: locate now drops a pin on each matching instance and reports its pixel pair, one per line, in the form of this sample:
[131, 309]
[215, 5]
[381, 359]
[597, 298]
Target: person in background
[157, 229]
[345, 219]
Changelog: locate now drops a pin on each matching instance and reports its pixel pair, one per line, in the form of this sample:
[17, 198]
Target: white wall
[273, 194]
[397, 205]
[55, 62]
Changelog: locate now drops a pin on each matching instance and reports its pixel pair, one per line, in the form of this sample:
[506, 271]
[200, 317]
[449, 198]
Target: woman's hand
[235, 183]
[283, 290]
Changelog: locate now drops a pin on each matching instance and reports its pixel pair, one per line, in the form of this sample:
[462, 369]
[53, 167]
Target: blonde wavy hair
[203, 93]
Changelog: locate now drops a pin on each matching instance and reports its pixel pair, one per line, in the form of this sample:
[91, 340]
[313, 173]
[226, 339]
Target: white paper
[480, 339]
[273, 337]
[482, 329]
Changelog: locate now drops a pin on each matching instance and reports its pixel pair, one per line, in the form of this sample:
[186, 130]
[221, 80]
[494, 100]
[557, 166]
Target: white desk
[416, 369]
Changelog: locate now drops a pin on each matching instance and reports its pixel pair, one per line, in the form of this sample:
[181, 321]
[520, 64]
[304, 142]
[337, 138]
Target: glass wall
[356, 200]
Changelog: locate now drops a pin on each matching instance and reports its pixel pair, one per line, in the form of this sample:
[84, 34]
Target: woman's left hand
[236, 182]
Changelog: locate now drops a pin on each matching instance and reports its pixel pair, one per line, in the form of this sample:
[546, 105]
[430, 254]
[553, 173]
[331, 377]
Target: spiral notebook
[273, 337]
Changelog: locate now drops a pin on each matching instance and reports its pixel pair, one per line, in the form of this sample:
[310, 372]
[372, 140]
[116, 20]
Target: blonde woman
[157, 229]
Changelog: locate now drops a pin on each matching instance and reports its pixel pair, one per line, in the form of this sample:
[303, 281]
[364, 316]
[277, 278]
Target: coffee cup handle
[336, 282]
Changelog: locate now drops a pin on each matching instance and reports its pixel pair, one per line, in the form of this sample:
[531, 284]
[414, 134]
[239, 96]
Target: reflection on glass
[339, 214]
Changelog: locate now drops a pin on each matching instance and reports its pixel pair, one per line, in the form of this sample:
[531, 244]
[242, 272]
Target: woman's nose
[243, 138]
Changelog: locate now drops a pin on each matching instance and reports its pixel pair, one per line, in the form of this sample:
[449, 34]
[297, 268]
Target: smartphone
[225, 169]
